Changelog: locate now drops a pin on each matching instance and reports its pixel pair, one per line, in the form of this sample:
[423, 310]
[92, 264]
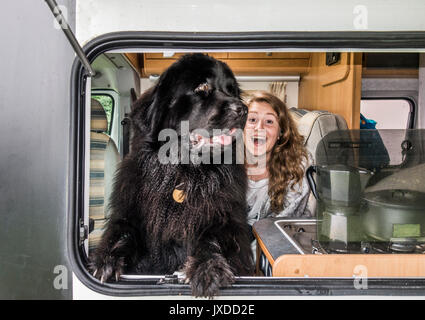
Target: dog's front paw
[207, 277]
[107, 266]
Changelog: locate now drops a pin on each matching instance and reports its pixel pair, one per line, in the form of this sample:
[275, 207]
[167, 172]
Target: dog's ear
[151, 110]
[147, 116]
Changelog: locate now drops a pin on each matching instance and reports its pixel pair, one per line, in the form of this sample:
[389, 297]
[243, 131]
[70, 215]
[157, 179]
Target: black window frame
[253, 286]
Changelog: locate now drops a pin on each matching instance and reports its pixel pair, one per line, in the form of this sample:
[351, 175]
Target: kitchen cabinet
[335, 88]
[241, 63]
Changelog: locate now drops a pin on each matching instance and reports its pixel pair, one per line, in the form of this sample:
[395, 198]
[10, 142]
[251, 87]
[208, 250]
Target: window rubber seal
[252, 286]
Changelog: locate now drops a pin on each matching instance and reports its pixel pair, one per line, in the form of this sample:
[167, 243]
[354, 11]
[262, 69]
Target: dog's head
[197, 91]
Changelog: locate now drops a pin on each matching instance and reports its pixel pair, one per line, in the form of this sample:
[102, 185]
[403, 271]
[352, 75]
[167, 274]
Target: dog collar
[178, 194]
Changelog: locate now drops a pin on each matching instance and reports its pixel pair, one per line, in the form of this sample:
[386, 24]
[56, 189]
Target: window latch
[84, 231]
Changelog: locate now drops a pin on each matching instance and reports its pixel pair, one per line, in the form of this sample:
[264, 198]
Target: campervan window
[297, 71]
[107, 102]
[389, 113]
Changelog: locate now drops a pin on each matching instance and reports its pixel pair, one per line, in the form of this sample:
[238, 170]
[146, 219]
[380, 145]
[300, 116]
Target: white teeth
[259, 140]
[200, 143]
[198, 140]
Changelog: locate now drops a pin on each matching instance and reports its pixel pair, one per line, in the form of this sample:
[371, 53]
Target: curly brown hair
[288, 156]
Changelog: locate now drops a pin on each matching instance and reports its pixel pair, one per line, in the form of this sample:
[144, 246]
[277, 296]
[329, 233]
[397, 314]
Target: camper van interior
[358, 114]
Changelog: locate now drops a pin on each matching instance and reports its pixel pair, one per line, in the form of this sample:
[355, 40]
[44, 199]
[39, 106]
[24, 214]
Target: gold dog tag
[178, 195]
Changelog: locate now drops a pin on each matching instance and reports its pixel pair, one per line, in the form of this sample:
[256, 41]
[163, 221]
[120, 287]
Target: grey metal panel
[389, 84]
[240, 16]
[35, 65]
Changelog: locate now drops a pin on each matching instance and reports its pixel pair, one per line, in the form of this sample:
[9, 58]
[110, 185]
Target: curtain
[278, 88]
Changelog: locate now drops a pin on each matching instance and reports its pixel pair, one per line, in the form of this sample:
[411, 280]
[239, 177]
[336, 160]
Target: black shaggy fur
[206, 235]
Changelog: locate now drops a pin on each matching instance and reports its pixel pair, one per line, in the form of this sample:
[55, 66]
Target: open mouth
[224, 139]
[258, 141]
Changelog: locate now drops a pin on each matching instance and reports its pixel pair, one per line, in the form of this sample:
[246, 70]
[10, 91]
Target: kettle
[337, 184]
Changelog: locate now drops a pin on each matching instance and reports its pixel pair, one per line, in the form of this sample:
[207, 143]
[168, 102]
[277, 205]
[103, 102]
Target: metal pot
[338, 185]
[339, 191]
[395, 215]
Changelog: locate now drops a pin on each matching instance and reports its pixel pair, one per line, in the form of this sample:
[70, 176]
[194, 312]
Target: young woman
[275, 161]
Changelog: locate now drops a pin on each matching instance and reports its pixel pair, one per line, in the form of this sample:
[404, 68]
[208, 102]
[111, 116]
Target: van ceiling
[112, 71]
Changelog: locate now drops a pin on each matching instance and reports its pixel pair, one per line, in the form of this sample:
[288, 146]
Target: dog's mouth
[225, 138]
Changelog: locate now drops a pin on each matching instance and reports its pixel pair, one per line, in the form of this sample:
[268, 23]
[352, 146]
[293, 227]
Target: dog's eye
[203, 87]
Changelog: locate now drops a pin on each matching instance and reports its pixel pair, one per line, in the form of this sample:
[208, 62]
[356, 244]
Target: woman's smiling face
[262, 128]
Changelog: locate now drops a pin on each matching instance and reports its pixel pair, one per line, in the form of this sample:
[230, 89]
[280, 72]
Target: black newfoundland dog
[168, 216]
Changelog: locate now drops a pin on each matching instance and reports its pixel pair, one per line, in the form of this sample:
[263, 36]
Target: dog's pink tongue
[225, 139]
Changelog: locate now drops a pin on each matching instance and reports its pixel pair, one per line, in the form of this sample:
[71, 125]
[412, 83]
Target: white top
[295, 204]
